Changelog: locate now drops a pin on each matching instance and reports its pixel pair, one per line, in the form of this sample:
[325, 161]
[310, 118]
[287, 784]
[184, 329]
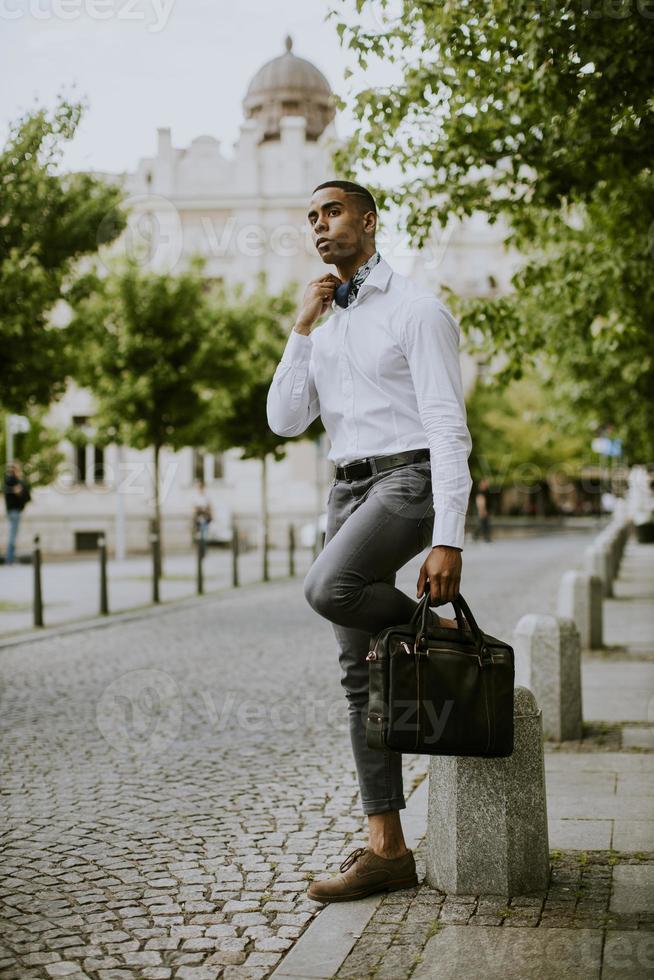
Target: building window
[86, 453]
[79, 469]
[208, 466]
[198, 465]
[98, 464]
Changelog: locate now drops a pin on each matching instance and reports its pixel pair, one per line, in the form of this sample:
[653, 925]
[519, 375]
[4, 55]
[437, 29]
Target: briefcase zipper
[468, 653]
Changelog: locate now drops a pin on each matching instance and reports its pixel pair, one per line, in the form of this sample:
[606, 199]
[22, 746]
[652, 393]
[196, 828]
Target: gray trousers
[374, 527]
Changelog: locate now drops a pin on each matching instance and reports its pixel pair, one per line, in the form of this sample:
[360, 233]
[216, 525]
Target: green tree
[543, 116]
[518, 436]
[37, 449]
[149, 350]
[48, 222]
[265, 321]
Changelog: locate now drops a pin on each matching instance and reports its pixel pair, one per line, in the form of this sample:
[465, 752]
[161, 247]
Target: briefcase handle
[461, 610]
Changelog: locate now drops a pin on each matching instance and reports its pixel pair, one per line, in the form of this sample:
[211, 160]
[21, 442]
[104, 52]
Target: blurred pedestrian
[202, 514]
[482, 497]
[17, 496]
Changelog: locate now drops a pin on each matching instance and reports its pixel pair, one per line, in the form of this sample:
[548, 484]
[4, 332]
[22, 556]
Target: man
[202, 514]
[383, 372]
[482, 497]
[17, 495]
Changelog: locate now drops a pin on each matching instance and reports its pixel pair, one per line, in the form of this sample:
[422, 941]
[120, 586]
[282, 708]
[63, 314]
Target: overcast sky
[141, 64]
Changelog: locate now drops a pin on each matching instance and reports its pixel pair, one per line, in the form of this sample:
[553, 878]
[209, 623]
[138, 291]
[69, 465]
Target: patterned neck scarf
[347, 292]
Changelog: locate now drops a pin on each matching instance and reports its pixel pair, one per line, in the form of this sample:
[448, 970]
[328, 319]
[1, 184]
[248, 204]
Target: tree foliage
[264, 321]
[542, 115]
[48, 221]
[517, 435]
[148, 352]
[37, 449]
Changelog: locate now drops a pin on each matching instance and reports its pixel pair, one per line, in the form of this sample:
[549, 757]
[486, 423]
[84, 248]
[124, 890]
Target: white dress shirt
[384, 375]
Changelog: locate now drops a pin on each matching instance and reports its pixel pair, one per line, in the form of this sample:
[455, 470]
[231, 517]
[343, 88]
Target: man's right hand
[316, 300]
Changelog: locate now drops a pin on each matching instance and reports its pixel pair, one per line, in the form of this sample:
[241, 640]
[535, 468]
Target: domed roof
[289, 86]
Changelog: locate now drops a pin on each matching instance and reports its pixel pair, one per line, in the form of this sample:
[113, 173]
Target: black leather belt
[361, 468]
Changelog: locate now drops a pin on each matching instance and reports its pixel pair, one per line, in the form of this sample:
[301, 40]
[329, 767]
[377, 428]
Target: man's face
[339, 227]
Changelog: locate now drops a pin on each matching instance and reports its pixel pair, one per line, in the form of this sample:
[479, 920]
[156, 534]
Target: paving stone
[226, 957]
[548, 954]
[628, 955]
[633, 835]
[39, 959]
[63, 969]
[633, 889]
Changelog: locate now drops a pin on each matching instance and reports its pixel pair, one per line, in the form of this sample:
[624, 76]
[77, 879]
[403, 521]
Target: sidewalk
[71, 589]
[597, 919]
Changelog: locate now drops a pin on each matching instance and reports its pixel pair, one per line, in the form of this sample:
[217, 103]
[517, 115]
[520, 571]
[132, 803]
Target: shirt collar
[377, 278]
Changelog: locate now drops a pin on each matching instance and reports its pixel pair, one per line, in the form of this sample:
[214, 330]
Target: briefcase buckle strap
[462, 610]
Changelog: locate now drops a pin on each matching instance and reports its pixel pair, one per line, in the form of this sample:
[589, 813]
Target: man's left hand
[442, 567]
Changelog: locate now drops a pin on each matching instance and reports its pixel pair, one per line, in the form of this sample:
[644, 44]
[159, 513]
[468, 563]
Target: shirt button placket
[347, 385]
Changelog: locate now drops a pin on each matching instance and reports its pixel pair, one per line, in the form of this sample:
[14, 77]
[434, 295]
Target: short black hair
[367, 202]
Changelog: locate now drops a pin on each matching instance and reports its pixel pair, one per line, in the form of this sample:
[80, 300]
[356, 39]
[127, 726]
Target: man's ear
[370, 222]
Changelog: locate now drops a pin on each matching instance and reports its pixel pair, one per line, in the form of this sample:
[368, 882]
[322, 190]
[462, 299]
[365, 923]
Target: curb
[129, 615]
[322, 949]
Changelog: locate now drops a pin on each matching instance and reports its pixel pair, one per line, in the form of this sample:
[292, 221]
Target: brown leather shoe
[365, 873]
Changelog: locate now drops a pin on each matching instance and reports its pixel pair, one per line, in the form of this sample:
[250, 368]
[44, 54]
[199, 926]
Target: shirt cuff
[298, 347]
[449, 528]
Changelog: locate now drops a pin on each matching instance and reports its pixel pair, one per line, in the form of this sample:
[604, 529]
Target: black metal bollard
[291, 550]
[38, 594]
[154, 544]
[104, 597]
[235, 581]
[265, 570]
[199, 551]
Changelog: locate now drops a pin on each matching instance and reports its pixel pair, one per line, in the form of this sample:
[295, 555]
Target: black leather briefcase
[440, 691]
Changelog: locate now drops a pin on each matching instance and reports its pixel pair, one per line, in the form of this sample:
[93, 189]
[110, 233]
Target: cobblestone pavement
[171, 784]
[578, 897]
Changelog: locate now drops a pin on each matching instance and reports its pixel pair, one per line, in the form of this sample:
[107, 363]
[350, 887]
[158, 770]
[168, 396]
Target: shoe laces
[353, 857]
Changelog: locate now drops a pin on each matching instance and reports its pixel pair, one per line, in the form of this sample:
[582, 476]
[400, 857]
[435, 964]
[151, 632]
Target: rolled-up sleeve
[292, 403]
[430, 338]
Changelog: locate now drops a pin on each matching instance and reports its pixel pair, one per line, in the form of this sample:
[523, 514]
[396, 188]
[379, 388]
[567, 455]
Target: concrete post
[487, 818]
[596, 562]
[596, 638]
[608, 542]
[580, 599]
[548, 662]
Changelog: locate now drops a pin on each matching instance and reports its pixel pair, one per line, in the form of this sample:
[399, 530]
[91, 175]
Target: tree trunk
[264, 514]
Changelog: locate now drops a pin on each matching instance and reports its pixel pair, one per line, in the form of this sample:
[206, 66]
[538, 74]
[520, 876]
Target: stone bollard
[487, 818]
[607, 544]
[548, 662]
[580, 599]
[623, 528]
[596, 562]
